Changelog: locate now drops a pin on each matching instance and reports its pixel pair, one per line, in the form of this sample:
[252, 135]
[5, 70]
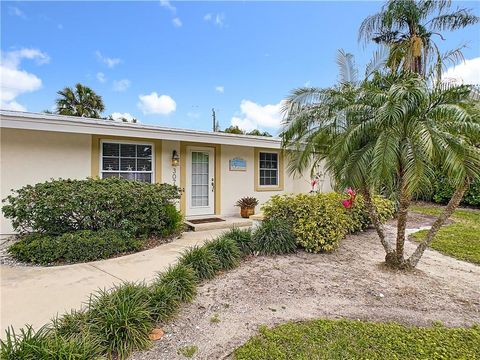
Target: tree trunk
[439, 222]
[402, 218]
[377, 223]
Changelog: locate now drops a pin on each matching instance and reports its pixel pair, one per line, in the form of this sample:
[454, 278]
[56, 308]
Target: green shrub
[203, 262]
[120, 319]
[45, 344]
[319, 221]
[182, 279]
[78, 246]
[75, 323]
[243, 238]
[226, 250]
[274, 236]
[60, 206]
[163, 302]
[442, 190]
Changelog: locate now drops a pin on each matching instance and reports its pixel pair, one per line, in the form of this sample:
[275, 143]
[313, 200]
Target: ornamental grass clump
[243, 239]
[163, 302]
[182, 279]
[203, 262]
[227, 252]
[274, 237]
[75, 323]
[46, 344]
[120, 319]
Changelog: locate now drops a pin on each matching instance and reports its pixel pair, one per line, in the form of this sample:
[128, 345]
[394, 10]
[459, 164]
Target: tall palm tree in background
[79, 101]
[409, 28]
[386, 131]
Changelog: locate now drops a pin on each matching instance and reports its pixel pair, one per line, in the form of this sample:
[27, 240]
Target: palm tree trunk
[402, 218]
[439, 222]
[377, 223]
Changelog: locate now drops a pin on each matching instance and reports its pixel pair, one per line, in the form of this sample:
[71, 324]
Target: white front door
[200, 176]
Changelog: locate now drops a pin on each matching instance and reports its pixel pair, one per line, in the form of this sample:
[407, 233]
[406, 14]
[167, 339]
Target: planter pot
[247, 212]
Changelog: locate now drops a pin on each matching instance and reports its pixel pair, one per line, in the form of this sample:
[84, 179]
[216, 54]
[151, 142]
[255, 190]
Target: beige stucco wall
[29, 157]
[237, 184]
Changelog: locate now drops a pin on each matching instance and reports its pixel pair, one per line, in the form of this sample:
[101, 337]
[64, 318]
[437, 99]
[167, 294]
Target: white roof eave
[77, 125]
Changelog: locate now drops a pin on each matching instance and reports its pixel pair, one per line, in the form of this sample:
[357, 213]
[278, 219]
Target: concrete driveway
[34, 295]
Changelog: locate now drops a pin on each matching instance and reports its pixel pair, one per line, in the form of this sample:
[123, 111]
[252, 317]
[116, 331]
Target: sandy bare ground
[350, 283]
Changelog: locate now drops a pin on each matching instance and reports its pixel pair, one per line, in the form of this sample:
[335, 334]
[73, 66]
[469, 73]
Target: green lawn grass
[350, 339]
[461, 239]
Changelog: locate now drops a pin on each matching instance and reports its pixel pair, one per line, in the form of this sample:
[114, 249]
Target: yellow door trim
[183, 174]
[96, 139]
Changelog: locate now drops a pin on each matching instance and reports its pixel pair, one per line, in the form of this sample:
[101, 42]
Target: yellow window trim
[97, 139]
[281, 174]
[183, 174]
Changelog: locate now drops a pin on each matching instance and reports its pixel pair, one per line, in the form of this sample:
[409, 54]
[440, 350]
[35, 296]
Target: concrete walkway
[34, 295]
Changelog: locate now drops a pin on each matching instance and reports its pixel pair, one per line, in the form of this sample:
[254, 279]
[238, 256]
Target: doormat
[206, 220]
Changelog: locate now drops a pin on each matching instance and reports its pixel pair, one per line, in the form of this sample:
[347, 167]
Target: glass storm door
[200, 181]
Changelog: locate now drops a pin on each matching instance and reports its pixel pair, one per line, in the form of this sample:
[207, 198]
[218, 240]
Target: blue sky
[170, 63]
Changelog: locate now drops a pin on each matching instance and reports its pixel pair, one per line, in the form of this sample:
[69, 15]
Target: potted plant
[247, 206]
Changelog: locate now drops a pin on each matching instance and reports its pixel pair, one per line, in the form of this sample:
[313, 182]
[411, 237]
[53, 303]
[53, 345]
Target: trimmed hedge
[59, 206]
[74, 247]
[319, 221]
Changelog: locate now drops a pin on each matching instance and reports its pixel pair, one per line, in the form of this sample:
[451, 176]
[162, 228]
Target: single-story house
[213, 169]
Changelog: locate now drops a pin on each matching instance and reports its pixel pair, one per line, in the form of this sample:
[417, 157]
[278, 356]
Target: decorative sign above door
[238, 164]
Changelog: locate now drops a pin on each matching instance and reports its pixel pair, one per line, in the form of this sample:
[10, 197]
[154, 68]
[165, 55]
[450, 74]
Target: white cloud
[166, 4]
[220, 89]
[220, 19]
[13, 10]
[101, 77]
[15, 81]
[156, 104]
[217, 19]
[121, 85]
[121, 116]
[110, 62]
[254, 116]
[177, 22]
[468, 72]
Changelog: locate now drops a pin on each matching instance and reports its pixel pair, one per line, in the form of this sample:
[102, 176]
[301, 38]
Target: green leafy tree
[386, 132]
[409, 28]
[234, 130]
[257, 132]
[80, 101]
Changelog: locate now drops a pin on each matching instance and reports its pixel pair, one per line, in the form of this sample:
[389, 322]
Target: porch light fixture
[175, 158]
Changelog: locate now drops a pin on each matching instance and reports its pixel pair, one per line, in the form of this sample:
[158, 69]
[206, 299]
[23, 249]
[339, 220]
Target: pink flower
[349, 202]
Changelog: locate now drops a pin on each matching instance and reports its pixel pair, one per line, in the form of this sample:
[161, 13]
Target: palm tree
[408, 28]
[80, 101]
[385, 131]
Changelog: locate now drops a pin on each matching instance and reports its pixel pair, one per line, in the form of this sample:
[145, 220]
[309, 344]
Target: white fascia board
[69, 124]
